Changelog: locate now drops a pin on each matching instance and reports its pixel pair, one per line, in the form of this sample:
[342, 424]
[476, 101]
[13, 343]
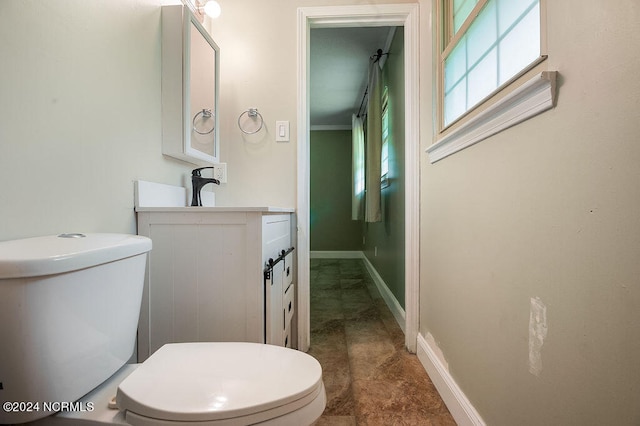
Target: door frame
[405, 15]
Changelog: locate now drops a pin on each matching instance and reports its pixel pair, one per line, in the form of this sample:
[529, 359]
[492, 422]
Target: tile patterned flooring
[369, 377]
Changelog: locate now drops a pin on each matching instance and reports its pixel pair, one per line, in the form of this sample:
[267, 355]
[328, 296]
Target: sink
[151, 194]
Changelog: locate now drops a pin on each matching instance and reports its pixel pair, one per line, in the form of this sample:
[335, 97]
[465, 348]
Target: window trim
[518, 99]
[528, 100]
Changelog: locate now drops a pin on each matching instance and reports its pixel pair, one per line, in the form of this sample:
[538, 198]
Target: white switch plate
[220, 172]
[282, 131]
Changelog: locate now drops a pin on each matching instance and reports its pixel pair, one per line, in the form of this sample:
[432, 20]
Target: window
[487, 46]
[357, 134]
[357, 189]
[384, 157]
[487, 43]
[461, 10]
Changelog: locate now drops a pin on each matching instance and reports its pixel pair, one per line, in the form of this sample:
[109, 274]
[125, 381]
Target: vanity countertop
[264, 209]
[151, 197]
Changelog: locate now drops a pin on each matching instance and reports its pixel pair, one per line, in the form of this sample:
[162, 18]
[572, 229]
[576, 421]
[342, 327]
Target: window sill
[532, 98]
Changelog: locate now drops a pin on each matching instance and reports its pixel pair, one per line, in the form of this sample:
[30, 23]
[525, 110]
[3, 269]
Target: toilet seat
[222, 383]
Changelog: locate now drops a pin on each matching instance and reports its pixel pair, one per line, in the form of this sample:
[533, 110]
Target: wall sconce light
[211, 8]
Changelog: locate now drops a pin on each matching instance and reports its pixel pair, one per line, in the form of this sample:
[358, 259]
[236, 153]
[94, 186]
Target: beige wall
[79, 114]
[548, 209]
[258, 62]
[80, 109]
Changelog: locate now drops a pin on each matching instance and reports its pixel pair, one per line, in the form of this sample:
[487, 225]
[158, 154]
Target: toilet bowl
[69, 307]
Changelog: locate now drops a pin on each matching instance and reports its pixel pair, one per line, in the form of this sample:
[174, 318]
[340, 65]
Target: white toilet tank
[69, 308]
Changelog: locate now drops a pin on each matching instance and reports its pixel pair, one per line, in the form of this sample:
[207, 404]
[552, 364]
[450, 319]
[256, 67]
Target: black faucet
[197, 182]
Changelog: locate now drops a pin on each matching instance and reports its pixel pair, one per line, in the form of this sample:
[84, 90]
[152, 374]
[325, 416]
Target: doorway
[405, 15]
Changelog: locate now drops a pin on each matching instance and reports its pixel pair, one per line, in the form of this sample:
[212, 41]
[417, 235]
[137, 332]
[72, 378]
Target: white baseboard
[336, 255]
[460, 407]
[387, 296]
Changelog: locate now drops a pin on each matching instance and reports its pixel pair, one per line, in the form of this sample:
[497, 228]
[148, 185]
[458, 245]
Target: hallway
[369, 377]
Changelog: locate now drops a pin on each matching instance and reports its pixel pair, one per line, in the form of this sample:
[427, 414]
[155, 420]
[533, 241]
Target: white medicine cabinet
[190, 74]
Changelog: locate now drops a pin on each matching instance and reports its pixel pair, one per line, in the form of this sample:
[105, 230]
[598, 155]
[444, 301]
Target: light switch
[282, 131]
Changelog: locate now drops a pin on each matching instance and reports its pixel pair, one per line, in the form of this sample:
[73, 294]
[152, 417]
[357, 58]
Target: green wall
[388, 235]
[331, 227]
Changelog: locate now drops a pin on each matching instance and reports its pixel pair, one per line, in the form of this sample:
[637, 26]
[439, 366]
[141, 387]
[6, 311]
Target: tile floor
[369, 377]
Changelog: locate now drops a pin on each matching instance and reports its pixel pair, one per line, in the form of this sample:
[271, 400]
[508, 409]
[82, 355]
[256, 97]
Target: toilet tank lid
[54, 254]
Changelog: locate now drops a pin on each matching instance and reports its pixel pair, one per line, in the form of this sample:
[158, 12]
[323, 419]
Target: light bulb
[212, 9]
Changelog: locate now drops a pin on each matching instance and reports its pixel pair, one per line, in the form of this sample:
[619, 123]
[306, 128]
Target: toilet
[69, 307]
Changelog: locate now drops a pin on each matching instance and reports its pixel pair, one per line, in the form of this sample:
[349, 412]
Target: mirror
[190, 70]
[200, 112]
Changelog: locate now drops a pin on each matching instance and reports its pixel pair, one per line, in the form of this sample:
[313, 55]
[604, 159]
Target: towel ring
[206, 113]
[252, 113]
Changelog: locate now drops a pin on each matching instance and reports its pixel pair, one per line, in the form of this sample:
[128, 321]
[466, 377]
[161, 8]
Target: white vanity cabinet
[205, 275]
